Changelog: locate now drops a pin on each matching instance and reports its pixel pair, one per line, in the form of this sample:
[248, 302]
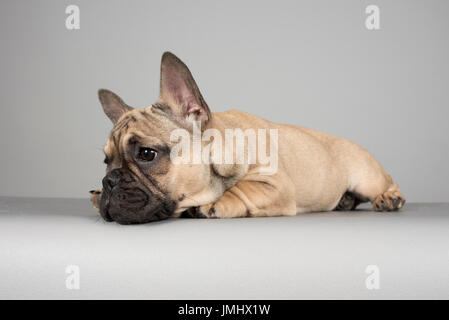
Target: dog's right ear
[112, 104]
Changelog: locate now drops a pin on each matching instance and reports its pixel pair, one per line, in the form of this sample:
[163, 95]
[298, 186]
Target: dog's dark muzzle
[127, 201]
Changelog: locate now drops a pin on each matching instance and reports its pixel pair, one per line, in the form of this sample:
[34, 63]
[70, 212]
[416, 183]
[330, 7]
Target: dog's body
[316, 171]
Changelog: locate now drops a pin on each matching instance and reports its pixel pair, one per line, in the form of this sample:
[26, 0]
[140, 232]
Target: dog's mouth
[125, 201]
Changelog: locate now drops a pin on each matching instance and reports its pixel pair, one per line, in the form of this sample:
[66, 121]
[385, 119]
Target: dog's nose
[112, 179]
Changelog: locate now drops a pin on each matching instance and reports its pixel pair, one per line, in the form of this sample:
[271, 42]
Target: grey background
[310, 63]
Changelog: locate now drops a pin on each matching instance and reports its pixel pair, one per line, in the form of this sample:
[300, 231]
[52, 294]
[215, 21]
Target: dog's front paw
[95, 197]
[193, 212]
[226, 207]
[208, 211]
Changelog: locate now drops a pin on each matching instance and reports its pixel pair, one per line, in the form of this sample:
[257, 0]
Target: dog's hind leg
[367, 179]
[383, 193]
[349, 201]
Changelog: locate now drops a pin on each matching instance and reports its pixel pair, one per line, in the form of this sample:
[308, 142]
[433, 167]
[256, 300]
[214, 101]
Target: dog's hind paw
[347, 202]
[389, 201]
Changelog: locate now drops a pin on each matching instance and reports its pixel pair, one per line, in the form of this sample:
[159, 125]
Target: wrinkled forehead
[145, 125]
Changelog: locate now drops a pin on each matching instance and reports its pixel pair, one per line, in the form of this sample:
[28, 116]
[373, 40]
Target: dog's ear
[179, 91]
[112, 104]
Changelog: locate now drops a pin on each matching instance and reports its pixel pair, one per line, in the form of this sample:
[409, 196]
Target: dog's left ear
[178, 89]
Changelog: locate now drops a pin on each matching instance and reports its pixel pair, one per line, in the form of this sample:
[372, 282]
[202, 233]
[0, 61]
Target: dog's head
[142, 184]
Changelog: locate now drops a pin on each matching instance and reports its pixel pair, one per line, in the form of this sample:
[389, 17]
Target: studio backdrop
[327, 65]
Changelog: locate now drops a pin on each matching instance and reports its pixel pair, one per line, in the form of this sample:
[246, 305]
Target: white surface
[321, 255]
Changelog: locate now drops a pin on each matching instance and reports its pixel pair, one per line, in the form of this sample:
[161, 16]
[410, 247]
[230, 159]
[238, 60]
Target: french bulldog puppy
[145, 182]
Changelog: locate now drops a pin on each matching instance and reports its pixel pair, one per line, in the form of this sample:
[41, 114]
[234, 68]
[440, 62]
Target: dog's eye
[146, 154]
